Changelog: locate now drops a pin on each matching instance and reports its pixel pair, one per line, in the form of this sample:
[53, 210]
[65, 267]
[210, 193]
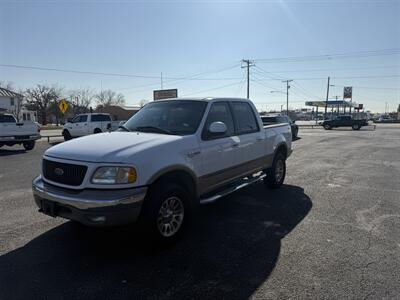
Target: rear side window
[7, 119]
[244, 116]
[100, 118]
[219, 112]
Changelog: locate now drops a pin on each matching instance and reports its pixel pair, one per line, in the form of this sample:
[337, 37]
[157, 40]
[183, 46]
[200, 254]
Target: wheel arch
[179, 174]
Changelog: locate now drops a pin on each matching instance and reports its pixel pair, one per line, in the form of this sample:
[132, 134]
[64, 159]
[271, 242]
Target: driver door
[219, 153]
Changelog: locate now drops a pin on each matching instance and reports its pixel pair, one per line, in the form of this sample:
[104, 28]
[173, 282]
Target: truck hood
[109, 147]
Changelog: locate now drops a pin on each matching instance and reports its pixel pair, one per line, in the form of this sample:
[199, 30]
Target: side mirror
[217, 128]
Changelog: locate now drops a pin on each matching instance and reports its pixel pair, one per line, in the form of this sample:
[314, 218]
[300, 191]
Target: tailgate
[13, 129]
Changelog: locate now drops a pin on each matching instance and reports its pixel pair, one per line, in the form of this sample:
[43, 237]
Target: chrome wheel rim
[170, 216]
[279, 170]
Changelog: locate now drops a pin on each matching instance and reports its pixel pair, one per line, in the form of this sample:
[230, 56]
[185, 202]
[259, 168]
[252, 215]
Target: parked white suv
[85, 124]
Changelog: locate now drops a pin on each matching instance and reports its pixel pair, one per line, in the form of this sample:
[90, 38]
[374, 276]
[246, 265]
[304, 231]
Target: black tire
[153, 223]
[29, 145]
[294, 133]
[327, 127]
[67, 135]
[356, 126]
[97, 130]
[272, 180]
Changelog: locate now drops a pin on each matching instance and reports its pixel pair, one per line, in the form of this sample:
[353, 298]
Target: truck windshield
[180, 117]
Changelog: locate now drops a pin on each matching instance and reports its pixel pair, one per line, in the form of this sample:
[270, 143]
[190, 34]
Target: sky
[198, 47]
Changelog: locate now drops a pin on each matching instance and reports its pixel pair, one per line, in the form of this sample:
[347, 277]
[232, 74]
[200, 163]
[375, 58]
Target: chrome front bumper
[110, 207]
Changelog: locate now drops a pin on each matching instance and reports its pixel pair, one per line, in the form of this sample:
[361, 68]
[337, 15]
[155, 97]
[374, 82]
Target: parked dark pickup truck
[344, 121]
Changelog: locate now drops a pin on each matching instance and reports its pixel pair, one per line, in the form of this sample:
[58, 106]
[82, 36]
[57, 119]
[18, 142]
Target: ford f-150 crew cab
[13, 133]
[169, 157]
[85, 124]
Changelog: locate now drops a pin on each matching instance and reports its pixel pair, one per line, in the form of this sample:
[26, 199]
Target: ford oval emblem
[58, 171]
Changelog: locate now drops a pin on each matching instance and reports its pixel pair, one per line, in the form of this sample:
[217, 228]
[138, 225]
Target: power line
[190, 77]
[335, 69]
[212, 89]
[357, 54]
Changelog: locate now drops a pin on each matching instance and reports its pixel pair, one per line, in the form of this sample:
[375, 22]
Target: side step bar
[231, 189]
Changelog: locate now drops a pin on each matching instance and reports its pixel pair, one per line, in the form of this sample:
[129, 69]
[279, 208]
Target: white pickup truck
[85, 124]
[14, 133]
[169, 157]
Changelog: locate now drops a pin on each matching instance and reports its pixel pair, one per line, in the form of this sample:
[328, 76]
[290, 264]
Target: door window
[82, 119]
[244, 116]
[219, 112]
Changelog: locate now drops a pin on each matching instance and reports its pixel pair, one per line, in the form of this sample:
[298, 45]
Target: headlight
[114, 175]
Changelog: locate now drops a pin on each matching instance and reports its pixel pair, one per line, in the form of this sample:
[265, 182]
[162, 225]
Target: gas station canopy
[332, 103]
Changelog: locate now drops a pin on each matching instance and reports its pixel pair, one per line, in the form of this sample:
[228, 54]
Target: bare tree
[81, 100]
[8, 85]
[40, 98]
[143, 102]
[109, 97]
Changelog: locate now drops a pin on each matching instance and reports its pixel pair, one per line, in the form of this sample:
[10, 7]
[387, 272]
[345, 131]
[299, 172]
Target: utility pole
[161, 81]
[287, 95]
[327, 96]
[248, 64]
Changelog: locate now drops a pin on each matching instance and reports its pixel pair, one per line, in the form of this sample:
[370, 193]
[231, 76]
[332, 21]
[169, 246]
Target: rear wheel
[67, 135]
[356, 126]
[165, 212]
[294, 133]
[29, 145]
[327, 127]
[276, 174]
[97, 130]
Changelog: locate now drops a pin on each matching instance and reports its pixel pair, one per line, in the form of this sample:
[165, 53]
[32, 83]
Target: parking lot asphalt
[331, 232]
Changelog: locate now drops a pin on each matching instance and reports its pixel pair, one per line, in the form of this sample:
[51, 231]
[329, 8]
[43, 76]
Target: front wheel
[67, 135]
[165, 212]
[276, 174]
[29, 145]
[356, 126]
[327, 127]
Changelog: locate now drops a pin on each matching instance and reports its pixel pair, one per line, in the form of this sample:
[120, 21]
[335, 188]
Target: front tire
[327, 127]
[276, 174]
[29, 145]
[67, 135]
[97, 130]
[355, 126]
[165, 212]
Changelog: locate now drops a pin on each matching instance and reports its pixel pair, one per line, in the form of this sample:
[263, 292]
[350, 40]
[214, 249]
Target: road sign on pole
[348, 92]
[63, 106]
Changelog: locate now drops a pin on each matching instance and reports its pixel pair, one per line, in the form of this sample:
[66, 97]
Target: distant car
[344, 121]
[279, 119]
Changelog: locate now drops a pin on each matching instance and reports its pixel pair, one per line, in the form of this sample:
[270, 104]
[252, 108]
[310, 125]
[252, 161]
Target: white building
[11, 102]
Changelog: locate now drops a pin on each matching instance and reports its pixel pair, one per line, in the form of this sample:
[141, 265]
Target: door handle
[193, 153]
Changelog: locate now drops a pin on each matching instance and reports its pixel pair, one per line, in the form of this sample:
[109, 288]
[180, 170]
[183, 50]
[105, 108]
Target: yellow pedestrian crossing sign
[63, 106]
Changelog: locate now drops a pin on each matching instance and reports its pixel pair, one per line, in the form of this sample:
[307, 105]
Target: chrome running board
[231, 189]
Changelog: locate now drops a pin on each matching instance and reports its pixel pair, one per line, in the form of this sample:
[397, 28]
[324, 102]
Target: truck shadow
[228, 252]
[6, 152]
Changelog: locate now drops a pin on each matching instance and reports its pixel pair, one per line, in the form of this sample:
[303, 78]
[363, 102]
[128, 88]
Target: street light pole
[327, 96]
[287, 95]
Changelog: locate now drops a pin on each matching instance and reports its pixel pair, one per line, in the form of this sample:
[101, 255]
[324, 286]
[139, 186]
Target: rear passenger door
[252, 143]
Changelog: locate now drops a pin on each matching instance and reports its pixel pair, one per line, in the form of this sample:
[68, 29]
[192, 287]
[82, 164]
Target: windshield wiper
[123, 127]
[152, 129]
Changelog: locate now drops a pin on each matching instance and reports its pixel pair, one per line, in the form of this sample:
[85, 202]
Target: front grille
[63, 173]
